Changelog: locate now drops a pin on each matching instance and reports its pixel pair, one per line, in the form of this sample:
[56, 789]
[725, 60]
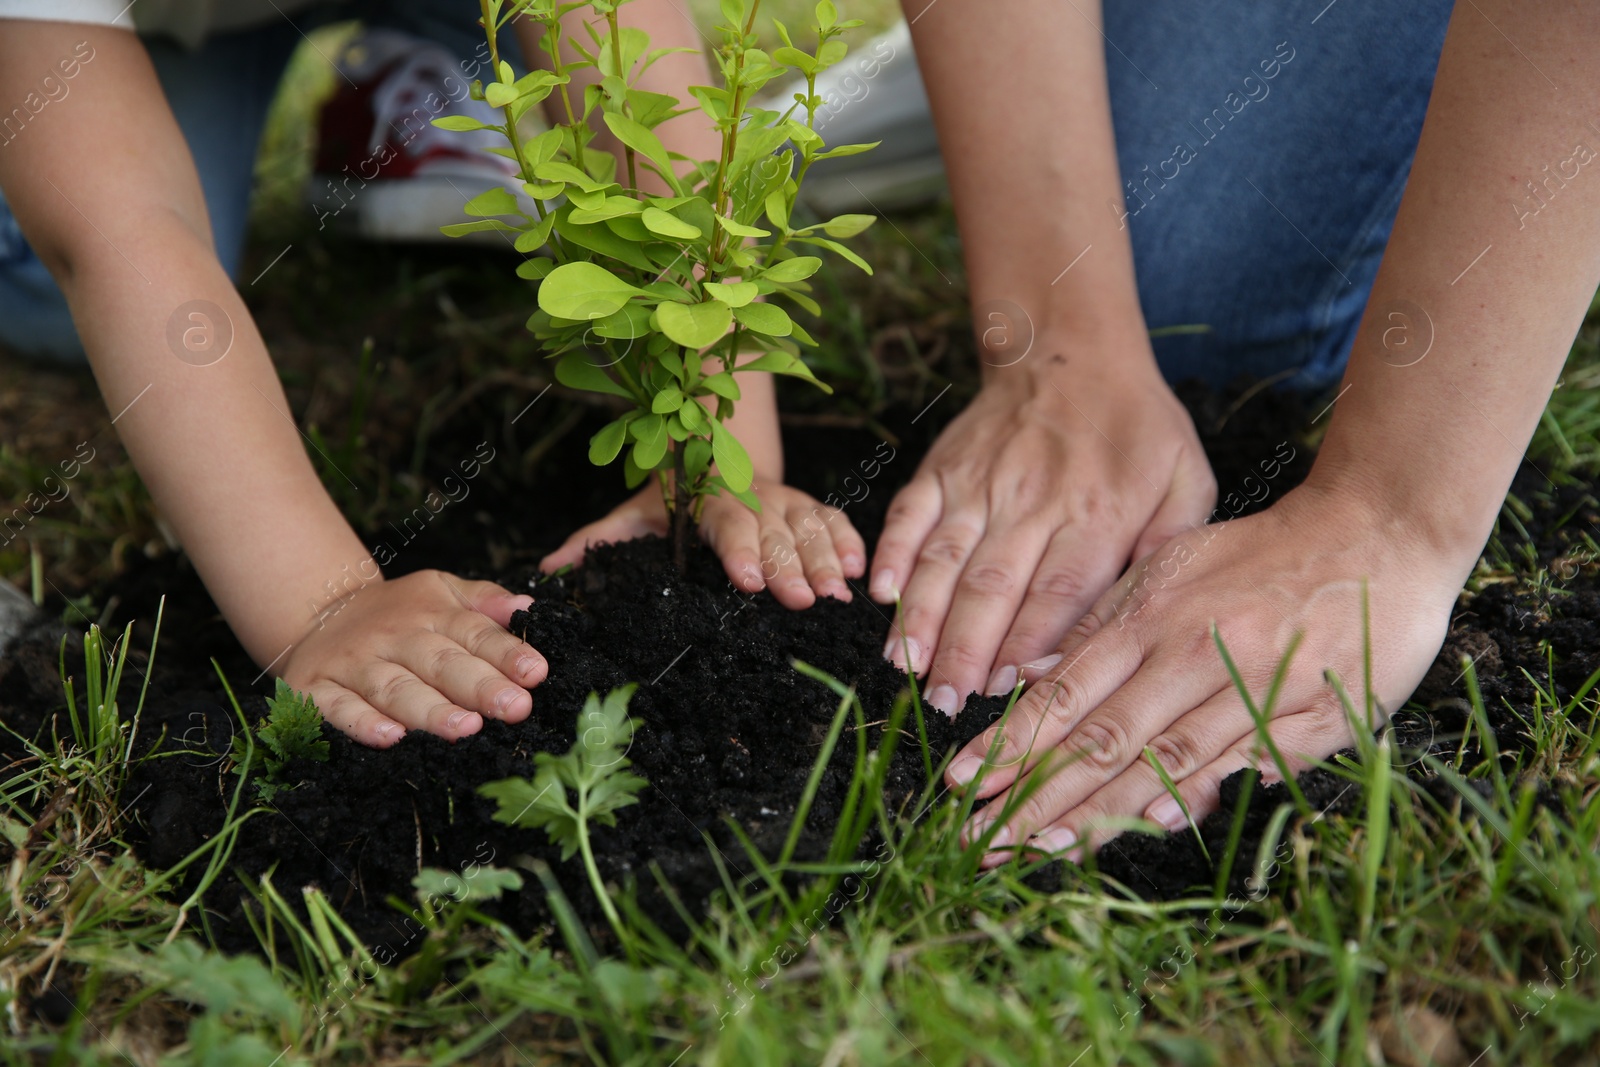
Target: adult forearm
[1019, 97]
[1493, 261]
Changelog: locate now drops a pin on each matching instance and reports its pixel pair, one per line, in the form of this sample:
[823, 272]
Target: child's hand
[424, 652]
[797, 547]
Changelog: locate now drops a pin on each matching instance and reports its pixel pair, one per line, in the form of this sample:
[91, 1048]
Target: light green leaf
[461, 124]
[693, 416]
[796, 269]
[583, 291]
[734, 294]
[723, 385]
[667, 225]
[835, 246]
[666, 401]
[534, 269]
[848, 150]
[777, 206]
[765, 318]
[733, 462]
[793, 57]
[784, 363]
[651, 432]
[645, 143]
[694, 325]
[847, 225]
[610, 209]
[830, 53]
[827, 14]
[739, 229]
[605, 445]
[574, 371]
[458, 229]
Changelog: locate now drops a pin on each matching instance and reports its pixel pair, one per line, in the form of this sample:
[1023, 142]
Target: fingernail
[1056, 839]
[836, 590]
[1004, 680]
[854, 564]
[965, 769]
[944, 698]
[387, 730]
[521, 602]
[504, 699]
[456, 719]
[909, 647]
[1001, 839]
[1166, 812]
[883, 586]
[527, 665]
[1043, 664]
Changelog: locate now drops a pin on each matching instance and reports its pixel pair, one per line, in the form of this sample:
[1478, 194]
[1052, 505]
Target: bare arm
[1437, 441]
[105, 189]
[1475, 306]
[1075, 457]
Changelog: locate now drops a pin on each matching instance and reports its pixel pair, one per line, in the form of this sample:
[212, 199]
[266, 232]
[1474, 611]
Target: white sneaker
[383, 170]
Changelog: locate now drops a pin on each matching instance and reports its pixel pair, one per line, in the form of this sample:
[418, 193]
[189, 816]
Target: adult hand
[1028, 507]
[1141, 671]
[424, 652]
[796, 546]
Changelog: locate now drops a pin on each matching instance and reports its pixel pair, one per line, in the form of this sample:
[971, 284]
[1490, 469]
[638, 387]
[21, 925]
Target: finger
[1302, 738]
[626, 523]
[1075, 570]
[781, 566]
[925, 602]
[487, 598]
[519, 663]
[848, 543]
[734, 533]
[397, 692]
[463, 678]
[354, 717]
[1109, 744]
[1188, 504]
[911, 517]
[819, 556]
[1045, 714]
[1110, 612]
[987, 594]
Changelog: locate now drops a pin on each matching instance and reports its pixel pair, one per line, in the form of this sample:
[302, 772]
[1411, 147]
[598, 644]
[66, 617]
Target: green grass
[1408, 919]
[1473, 918]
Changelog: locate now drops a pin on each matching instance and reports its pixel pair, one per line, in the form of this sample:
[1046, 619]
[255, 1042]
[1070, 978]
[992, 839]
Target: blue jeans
[219, 94]
[1259, 206]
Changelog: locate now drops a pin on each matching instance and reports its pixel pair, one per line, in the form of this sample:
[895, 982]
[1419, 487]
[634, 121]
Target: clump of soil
[727, 729]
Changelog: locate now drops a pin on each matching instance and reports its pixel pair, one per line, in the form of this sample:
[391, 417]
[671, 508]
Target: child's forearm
[215, 444]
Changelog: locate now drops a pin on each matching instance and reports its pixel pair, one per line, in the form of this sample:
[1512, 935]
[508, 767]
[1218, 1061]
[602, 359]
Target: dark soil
[727, 729]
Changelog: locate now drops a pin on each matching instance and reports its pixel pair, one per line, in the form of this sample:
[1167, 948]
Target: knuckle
[388, 688]
[988, 581]
[1176, 754]
[945, 548]
[442, 659]
[1101, 743]
[1057, 583]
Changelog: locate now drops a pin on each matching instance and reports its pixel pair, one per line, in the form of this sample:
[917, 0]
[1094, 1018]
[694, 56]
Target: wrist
[1448, 532]
[1106, 359]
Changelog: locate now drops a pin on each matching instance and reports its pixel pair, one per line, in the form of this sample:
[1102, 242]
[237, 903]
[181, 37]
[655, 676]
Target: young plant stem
[616, 61]
[594, 876]
[730, 141]
[681, 507]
